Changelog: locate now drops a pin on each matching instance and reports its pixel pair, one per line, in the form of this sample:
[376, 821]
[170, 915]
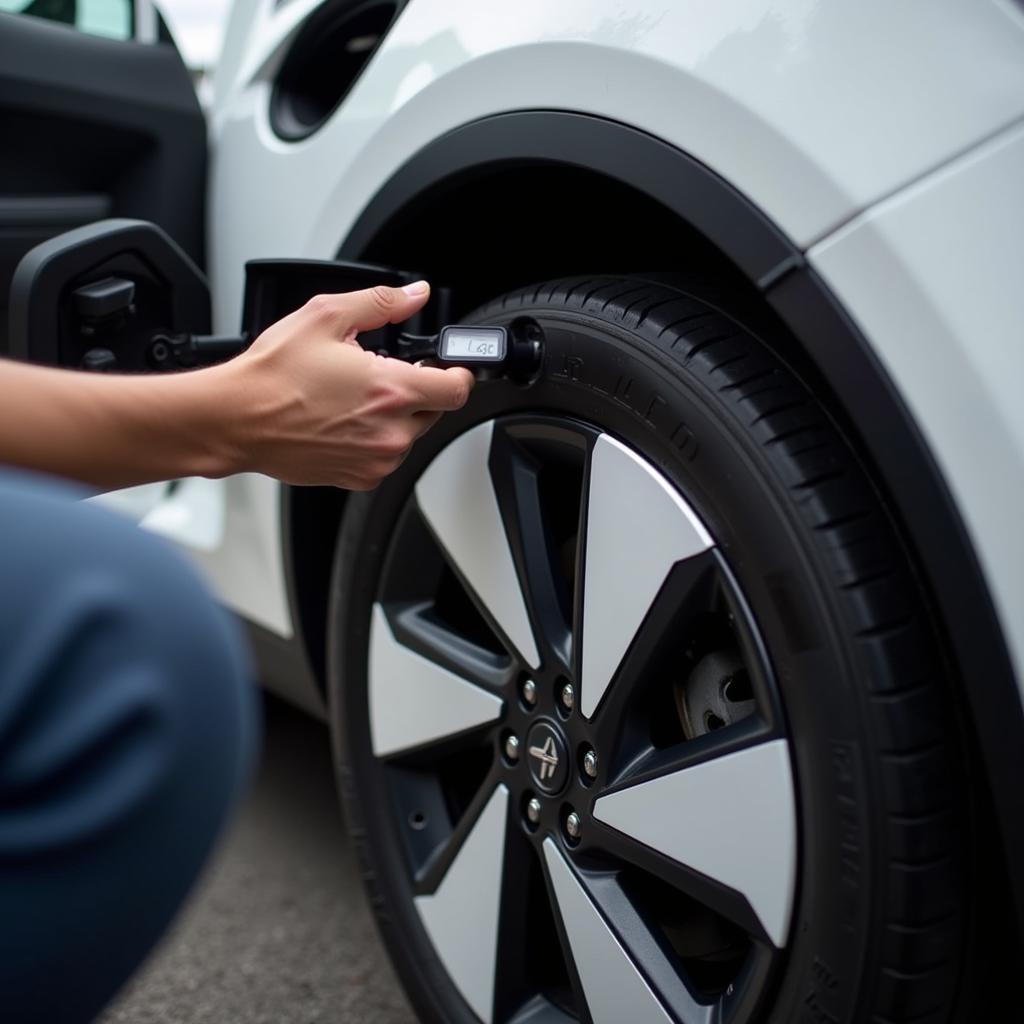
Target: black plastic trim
[624, 154]
[40, 290]
[902, 460]
[55, 211]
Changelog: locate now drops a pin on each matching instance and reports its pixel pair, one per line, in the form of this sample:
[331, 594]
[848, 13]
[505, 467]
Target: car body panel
[813, 110]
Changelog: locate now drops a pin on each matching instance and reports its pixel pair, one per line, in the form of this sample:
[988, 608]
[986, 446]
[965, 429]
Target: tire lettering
[656, 402]
[649, 409]
[816, 1012]
[623, 387]
[685, 441]
[823, 975]
[844, 764]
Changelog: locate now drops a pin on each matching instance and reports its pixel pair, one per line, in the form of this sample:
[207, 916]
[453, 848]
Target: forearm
[304, 404]
[117, 431]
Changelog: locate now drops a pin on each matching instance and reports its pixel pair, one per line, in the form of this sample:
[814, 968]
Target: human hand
[318, 409]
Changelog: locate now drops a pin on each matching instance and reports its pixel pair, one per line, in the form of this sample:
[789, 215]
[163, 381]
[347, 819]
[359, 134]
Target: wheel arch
[499, 176]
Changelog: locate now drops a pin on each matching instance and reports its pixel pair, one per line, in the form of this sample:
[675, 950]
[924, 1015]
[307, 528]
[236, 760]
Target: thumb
[441, 390]
[347, 313]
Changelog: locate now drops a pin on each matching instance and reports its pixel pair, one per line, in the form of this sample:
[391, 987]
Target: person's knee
[196, 654]
[170, 632]
[127, 728]
[118, 658]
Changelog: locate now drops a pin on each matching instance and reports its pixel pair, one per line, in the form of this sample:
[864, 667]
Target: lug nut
[533, 810]
[512, 747]
[590, 764]
[530, 692]
[568, 697]
[573, 826]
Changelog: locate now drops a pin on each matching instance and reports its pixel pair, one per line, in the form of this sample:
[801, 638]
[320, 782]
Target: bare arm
[304, 404]
[112, 431]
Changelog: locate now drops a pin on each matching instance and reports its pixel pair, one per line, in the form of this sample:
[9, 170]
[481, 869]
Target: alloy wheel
[583, 745]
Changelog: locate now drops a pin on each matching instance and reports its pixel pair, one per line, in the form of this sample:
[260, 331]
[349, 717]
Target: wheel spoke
[414, 626]
[653, 657]
[540, 1011]
[461, 915]
[613, 985]
[517, 483]
[638, 527]
[530, 981]
[457, 499]
[414, 701]
[512, 982]
[728, 822]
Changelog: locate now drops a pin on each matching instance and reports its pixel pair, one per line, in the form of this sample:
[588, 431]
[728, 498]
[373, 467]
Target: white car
[678, 677]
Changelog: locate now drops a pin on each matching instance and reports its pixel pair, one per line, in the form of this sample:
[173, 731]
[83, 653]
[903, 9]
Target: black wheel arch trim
[901, 458]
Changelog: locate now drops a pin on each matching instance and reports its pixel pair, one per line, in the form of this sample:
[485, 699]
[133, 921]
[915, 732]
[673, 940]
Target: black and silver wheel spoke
[607, 959]
[414, 701]
[530, 500]
[654, 658]
[461, 915]
[532, 982]
[699, 824]
[416, 627]
[456, 496]
[637, 528]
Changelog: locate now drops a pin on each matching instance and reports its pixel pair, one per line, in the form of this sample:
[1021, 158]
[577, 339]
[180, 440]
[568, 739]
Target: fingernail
[416, 288]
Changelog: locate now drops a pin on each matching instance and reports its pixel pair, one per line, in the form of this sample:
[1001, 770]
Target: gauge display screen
[473, 344]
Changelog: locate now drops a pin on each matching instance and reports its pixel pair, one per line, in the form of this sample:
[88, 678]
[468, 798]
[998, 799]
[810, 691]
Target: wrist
[218, 421]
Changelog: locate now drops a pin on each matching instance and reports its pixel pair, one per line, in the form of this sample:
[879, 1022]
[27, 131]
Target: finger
[441, 390]
[346, 313]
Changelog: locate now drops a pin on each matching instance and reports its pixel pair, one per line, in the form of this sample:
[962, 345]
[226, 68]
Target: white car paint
[871, 133]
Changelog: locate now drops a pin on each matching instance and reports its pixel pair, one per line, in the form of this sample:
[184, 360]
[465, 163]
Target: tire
[806, 593]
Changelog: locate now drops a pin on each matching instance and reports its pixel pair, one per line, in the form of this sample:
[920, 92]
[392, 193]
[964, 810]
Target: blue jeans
[127, 731]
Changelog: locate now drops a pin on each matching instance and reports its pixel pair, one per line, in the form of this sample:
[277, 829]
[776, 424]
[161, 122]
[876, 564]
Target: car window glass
[111, 18]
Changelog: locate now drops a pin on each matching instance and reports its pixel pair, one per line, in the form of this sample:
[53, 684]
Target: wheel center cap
[547, 756]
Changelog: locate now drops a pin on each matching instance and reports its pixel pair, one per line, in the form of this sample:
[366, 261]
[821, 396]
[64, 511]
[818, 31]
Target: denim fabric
[128, 728]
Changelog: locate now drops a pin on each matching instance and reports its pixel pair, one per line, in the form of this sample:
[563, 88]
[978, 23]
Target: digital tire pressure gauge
[488, 351]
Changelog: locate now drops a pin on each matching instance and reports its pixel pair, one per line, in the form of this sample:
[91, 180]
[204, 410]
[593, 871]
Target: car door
[99, 119]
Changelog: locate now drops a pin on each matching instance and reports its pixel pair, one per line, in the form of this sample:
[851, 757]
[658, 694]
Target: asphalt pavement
[278, 930]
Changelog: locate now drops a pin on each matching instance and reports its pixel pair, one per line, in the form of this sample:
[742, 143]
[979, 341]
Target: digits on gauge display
[473, 344]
